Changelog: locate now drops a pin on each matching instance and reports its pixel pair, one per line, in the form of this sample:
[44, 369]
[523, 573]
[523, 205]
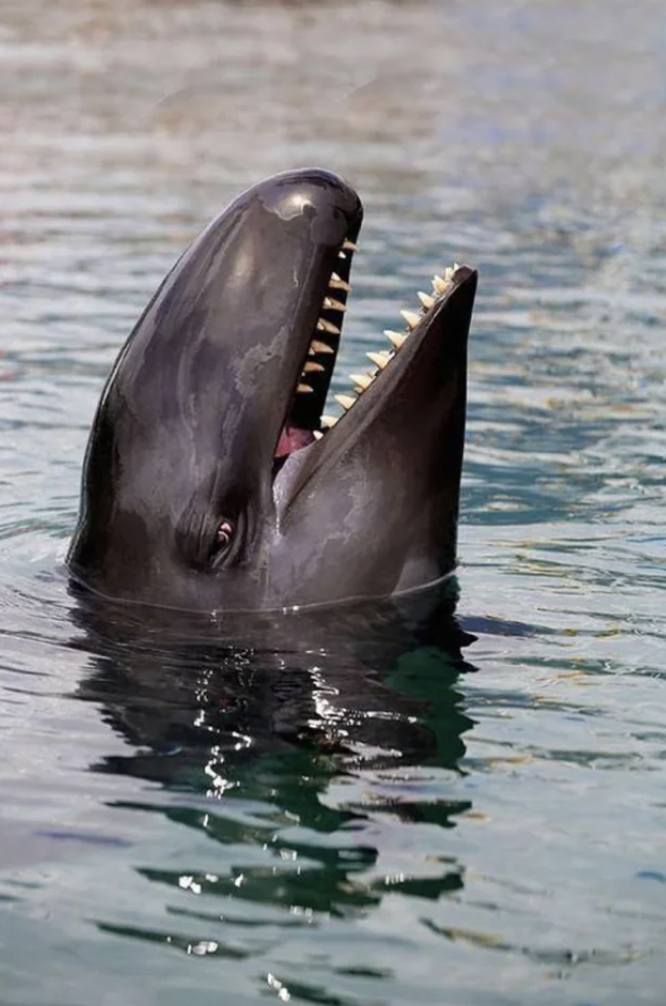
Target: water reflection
[291, 739]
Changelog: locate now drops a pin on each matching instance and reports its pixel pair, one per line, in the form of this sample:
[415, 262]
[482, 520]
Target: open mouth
[306, 421]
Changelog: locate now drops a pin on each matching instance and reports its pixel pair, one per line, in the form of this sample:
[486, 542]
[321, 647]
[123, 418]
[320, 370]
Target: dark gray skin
[183, 503]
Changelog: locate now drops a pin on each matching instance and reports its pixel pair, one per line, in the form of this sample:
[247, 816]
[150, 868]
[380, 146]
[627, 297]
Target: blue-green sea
[471, 821]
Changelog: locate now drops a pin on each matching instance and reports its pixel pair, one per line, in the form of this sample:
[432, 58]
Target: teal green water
[315, 821]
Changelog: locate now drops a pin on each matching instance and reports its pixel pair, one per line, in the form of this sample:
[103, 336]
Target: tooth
[341, 255]
[321, 347]
[328, 421]
[338, 284]
[313, 368]
[327, 326]
[317, 434]
[346, 401]
[397, 339]
[304, 389]
[379, 359]
[348, 245]
[426, 299]
[334, 305]
[362, 380]
[411, 317]
[442, 283]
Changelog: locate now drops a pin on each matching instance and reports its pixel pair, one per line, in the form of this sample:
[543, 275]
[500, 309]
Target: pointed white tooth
[328, 421]
[439, 284]
[379, 359]
[338, 284]
[313, 368]
[346, 401]
[321, 347]
[317, 434]
[397, 339]
[361, 380]
[426, 299]
[327, 326]
[334, 305]
[341, 255]
[411, 317]
[348, 245]
[304, 389]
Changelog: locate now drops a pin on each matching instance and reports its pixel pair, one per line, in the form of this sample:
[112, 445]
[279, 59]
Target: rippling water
[311, 819]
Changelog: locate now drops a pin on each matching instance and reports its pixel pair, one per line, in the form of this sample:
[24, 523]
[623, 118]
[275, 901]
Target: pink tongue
[292, 439]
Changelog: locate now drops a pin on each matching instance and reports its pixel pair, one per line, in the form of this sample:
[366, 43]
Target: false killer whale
[213, 481]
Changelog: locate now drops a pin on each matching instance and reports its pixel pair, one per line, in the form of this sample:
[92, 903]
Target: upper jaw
[312, 385]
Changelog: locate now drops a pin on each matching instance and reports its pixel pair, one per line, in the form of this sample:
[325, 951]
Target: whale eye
[224, 536]
[221, 550]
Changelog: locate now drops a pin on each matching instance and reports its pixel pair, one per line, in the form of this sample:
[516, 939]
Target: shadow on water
[246, 724]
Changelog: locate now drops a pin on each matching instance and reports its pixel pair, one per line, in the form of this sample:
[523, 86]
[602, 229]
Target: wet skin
[204, 486]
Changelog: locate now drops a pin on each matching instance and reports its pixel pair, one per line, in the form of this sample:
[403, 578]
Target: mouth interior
[305, 421]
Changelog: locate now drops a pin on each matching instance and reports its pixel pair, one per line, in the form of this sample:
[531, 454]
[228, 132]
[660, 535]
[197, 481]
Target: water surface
[303, 817]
